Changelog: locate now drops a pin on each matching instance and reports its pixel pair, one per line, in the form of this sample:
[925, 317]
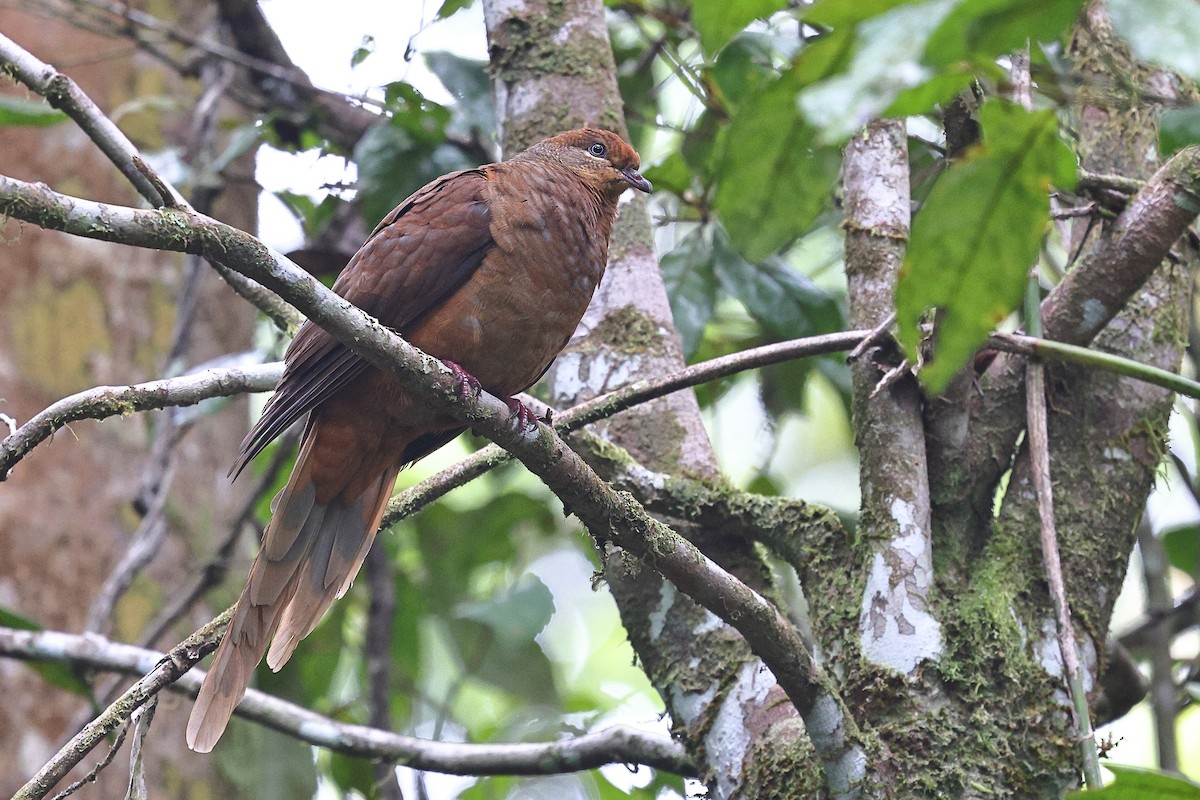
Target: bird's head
[601, 158]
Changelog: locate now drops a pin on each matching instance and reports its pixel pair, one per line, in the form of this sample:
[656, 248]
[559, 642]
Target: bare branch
[107, 401]
[616, 745]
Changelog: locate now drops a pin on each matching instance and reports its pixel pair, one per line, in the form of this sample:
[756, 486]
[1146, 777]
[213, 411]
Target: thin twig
[95, 771]
[1039, 452]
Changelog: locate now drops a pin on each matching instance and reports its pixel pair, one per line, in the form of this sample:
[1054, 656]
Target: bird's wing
[417, 256]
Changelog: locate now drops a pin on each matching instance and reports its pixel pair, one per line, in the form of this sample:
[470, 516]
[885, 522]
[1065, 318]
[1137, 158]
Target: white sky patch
[896, 628]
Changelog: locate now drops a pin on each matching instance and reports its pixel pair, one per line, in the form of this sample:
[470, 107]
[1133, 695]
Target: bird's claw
[468, 384]
[524, 415]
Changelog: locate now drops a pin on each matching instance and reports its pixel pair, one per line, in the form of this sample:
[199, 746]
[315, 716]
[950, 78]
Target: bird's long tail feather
[314, 546]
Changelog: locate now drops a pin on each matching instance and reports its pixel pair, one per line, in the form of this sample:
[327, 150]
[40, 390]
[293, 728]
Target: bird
[489, 269]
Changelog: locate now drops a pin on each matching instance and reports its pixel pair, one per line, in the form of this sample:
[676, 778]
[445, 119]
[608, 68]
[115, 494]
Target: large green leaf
[983, 29]
[1162, 31]
[691, 286]
[1178, 128]
[885, 61]
[773, 178]
[1182, 546]
[976, 237]
[466, 79]
[1142, 784]
[718, 20]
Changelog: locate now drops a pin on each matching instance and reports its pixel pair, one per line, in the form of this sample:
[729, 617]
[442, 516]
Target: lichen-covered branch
[615, 745]
[100, 402]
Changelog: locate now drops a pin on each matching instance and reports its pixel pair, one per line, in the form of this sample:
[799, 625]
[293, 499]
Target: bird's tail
[323, 524]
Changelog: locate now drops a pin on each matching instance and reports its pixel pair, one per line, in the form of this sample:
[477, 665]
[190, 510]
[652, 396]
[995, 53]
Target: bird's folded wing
[421, 252]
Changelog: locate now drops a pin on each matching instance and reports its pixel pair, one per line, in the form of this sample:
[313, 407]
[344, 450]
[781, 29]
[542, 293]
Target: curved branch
[107, 401]
[616, 745]
[610, 516]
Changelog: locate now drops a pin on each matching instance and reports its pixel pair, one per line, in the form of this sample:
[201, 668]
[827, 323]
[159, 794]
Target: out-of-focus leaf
[691, 287]
[495, 640]
[28, 113]
[978, 233]
[718, 20]
[983, 29]
[264, 763]
[773, 178]
[392, 164]
[847, 13]
[785, 303]
[364, 50]
[1161, 31]
[58, 675]
[351, 773]
[1142, 784]
[1178, 128]
[451, 7]
[516, 616]
[671, 175]
[1182, 545]
[312, 215]
[242, 139]
[746, 65]
[886, 61]
[467, 80]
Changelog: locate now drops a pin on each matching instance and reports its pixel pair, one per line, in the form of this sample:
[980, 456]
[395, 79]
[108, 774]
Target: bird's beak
[635, 179]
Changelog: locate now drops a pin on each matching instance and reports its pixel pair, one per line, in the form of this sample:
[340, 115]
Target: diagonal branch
[616, 745]
[610, 516]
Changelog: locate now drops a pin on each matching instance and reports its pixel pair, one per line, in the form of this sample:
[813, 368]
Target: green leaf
[452, 7]
[1142, 784]
[718, 20]
[352, 773]
[473, 113]
[786, 304]
[747, 64]
[692, 287]
[1178, 128]
[671, 175]
[1182, 545]
[1161, 31]
[773, 180]
[978, 30]
[978, 234]
[362, 51]
[886, 61]
[20, 112]
[515, 616]
[848, 13]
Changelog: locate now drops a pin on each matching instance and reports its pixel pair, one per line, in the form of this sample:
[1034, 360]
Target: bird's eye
[598, 149]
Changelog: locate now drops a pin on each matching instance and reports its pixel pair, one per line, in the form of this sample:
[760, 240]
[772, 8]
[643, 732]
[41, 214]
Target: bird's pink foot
[468, 384]
[524, 414]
